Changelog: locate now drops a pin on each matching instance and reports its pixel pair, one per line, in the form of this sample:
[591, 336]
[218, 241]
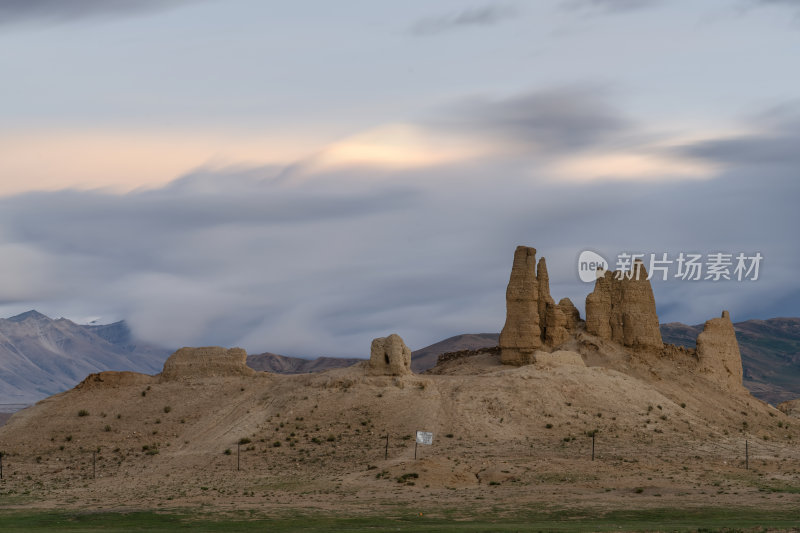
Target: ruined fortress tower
[621, 309]
[533, 319]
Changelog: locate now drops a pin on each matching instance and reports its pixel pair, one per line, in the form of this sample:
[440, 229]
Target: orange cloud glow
[121, 162]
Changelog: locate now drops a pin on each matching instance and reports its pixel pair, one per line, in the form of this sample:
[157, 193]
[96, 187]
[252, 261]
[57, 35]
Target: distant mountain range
[282, 364]
[40, 356]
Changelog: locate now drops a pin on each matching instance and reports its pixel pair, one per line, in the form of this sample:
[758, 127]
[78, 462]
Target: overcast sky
[301, 177]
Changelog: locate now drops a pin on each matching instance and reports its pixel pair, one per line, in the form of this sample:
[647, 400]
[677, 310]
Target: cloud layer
[66, 10]
[611, 6]
[475, 17]
[318, 260]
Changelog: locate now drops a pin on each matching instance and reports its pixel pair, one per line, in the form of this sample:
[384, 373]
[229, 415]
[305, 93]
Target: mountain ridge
[35, 363]
[40, 356]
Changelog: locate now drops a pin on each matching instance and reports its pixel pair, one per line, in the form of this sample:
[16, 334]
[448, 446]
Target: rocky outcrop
[552, 321]
[545, 301]
[389, 356]
[533, 319]
[622, 309]
[521, 335]
[209, 361]
[555, 332]
[571, 314]
[718, 352]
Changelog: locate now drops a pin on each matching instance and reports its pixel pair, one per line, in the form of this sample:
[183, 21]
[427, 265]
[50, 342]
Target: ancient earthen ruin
[532, 318]
[208, 361]
[718, 351]
[389, 356]
[621, 309]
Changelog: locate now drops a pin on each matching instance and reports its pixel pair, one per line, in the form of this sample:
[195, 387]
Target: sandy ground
[506, 439]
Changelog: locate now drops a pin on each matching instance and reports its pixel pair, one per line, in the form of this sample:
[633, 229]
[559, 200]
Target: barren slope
[503, 436]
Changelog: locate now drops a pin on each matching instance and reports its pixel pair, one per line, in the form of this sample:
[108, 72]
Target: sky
[302, 177]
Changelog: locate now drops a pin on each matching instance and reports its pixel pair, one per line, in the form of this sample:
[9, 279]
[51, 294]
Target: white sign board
[424, 437]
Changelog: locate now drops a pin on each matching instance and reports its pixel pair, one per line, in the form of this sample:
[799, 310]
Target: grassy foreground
[714, 519]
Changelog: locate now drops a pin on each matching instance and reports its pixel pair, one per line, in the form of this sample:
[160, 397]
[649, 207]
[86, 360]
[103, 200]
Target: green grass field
[650, 520]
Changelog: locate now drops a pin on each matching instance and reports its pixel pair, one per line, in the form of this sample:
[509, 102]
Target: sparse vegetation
[405, 478]
[83, 412]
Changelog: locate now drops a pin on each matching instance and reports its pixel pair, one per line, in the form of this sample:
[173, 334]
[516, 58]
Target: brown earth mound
[209, 361]
[319, 440]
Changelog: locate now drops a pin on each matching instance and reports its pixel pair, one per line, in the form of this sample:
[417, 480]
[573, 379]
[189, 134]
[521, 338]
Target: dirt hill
[665, 436]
